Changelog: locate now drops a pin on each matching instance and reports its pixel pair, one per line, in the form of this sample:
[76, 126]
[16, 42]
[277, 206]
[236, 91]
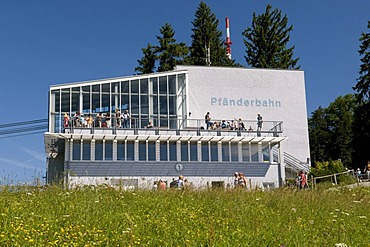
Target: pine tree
[266, 41]
[363, 82]
[147, 62]
[207, 40]
[169, 52]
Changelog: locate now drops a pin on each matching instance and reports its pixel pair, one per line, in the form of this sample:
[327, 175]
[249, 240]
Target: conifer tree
[169, 53]
[267, 39]
[207, 45]
[147, 62]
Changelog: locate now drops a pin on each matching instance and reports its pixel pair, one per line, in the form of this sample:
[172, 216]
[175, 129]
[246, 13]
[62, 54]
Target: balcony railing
[180, 126]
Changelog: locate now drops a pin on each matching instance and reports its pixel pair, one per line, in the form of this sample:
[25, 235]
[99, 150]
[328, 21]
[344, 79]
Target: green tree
[318, 135]
[267, 39]
[206, 35]
[363, 82]
[361, 127]
[169, 53]
[147, 62]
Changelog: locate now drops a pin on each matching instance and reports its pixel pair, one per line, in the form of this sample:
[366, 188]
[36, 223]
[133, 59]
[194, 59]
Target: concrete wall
[278, 95]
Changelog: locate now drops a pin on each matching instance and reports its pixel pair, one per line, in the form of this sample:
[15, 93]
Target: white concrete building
[176, 102]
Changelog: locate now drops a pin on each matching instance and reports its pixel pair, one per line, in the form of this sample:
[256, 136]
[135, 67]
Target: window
[108, 150]
[245, 152]
[98, 150]
[142, 150]
[214, 151]
[193, 151]
[130, 151]
[86, 150]
[76, 152]
[225, 151]
[234, 152]
[184, 151]
[151, 151]
[205, 151]
[163, 151]
[266, 152]
[120, 150]
[254, 152]
[173, 151]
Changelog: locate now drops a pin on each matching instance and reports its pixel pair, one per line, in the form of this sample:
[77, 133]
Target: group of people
[101, 120]
[301, 180]
[236, 124]
[240, 181]
[179, 183]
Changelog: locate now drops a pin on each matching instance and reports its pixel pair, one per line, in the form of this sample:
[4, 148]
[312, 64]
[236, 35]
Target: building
[179, 143]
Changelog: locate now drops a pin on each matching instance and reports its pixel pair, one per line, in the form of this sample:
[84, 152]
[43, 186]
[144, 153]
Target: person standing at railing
[107, 120]
[89, 121]
[207, 120]
[66, 120]
[259, 122]
[118, 118]
[126, 119]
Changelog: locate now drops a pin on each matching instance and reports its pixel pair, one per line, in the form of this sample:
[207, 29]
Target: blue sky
[48, 42]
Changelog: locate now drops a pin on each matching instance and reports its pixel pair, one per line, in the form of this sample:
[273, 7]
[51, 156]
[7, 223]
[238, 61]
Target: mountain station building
[89, 142]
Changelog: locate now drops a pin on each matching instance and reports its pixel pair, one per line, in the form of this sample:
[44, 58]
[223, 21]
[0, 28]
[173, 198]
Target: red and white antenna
[228, 40]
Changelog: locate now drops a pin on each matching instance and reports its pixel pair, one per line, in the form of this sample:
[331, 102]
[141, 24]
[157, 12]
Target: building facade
[89, 140]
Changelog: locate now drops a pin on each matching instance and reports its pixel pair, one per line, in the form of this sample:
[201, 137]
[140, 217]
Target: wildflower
[357, 201]
[341, 245]
[294, 210]
[362, 217]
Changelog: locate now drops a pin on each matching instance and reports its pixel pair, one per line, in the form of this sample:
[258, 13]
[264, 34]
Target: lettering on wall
[243, 102]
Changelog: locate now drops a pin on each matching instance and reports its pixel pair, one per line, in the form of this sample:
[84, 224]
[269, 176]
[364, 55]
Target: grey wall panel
[167, 169]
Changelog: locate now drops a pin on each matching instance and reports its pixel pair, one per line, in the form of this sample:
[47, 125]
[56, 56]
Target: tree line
[266, 42]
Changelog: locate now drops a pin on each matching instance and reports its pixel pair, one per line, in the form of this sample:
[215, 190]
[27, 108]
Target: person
[250, 128]
[259, 122]
[298, 180]
[118, 118]
[180, 182]
[236, 180]
[162, 185]
[303, 180]
[83, 122]
[89, 121]
[359, 174]
[66, 120]
[126, 119]
[241, 124]
[232, 125]
[155, 185]
[242, 180]
[207, 120]
[173, 184]
[107, 120]
[150, 125]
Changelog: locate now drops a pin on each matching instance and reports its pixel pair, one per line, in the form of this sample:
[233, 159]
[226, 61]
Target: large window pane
[142, 150]
[135, 86]
[125, 87]
[134, 104]
[95, 103]
[75, 102]
[193, 151]
[144, 86]
[86, 150]
[254, 152]
[151, 151]
[105, 103]
[172, 84]
[144, 104]
[65, 100]
[205, 151]
[115, 87]
[96, 89]
[265, 153]
[163, 85]
[184, 151]
[163, 105]
[234, 152]
[245, 150]
[130, 151]
[105, 88]
[163, 151]
[124, 103]
[173, 151]
[56, 94]
[172, 105]
[214, 151]
[86, 103]
[225, 151]
[154, 85]
[120, 150]
[155, 104]
[76, 153]
[108, 150]
[98, 150]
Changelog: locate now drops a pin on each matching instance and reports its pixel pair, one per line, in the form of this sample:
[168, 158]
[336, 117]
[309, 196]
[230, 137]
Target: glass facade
[156, 99]
[168, 151]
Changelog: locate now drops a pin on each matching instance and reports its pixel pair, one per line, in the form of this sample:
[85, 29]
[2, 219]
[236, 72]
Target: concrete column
[114, 158]
[219, 148]
[92, 150]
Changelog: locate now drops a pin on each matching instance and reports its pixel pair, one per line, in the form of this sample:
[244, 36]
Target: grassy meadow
[101, 216]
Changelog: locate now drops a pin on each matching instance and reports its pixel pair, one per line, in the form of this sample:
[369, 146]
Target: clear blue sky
[48, 42]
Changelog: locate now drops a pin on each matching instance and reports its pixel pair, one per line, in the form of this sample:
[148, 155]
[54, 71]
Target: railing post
[335, 179]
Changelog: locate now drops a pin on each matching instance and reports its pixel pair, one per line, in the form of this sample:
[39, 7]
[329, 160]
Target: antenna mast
[228, 40]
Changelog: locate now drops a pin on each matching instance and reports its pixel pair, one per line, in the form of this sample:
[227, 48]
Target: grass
[101, 216]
